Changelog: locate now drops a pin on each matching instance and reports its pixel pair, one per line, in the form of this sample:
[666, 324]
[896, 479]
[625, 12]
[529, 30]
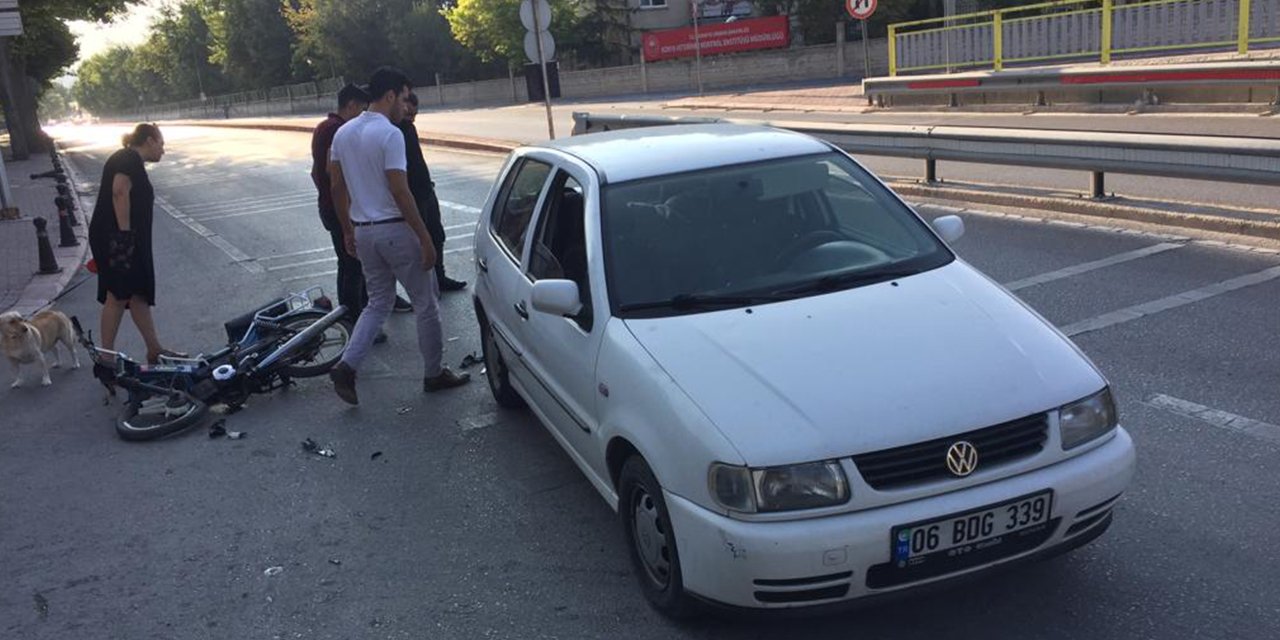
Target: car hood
[879, 366]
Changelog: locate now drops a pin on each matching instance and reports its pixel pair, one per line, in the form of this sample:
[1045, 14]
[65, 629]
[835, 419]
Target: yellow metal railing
[978, 24]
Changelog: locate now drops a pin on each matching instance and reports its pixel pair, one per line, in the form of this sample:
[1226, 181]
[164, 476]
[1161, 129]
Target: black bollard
[67, 235]
[64, 192]
[48, 264]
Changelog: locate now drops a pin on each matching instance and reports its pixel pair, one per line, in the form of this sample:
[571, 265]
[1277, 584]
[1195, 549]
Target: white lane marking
[1086, 267]
[308, 276]
[1091, 227]
[216, 240]
[459, 207]
[469, 225]
[461, 237]
[1218, 418]
[206, 207]
[254, 212]
[1145, 309]
[458, 250]
[294, 254]
[304, 263]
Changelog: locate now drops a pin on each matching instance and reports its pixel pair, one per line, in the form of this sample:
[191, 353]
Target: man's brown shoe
[344, 382]
[446, 380]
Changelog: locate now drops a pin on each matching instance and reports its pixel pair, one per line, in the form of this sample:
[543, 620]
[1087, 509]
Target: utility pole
[697, 44]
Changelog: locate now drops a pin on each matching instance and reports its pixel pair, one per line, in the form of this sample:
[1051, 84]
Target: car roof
[645, 152]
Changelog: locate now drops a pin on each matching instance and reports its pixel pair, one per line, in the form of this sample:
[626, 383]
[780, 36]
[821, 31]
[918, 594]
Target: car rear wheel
[651, 540]
[496, 372]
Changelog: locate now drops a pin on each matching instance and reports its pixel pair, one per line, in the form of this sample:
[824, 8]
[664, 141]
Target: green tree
[491, 29]
[102, 86]
[57, 103]
[256, 43]
[351, 38]
[31, 61]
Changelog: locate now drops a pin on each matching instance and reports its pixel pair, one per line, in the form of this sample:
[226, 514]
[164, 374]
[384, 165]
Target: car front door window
[519, 199]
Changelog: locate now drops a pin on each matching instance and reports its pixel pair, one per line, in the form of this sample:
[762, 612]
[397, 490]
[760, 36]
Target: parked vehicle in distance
[786, 383]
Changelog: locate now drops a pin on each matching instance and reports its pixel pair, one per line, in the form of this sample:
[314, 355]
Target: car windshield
[753, 233]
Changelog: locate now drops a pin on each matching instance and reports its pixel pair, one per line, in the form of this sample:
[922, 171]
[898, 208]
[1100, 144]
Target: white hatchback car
[779, 375]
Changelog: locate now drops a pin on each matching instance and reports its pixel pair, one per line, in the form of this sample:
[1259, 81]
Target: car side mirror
[949, 227]
[556, 297]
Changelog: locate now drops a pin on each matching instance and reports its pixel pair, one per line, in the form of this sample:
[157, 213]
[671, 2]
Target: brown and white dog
[27, 341]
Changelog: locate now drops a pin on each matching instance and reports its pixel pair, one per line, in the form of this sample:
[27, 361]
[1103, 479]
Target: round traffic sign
[544, 14]
[860, 9]
[548, 46]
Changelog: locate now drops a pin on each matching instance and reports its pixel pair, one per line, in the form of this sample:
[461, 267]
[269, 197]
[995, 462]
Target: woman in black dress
[120, 238]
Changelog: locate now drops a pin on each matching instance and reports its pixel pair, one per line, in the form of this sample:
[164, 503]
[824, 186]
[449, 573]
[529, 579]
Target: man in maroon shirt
[352, 100]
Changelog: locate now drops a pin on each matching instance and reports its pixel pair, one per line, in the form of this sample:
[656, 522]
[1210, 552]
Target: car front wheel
[650, 539]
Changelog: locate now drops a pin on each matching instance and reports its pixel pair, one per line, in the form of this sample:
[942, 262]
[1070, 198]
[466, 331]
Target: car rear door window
[517, 204]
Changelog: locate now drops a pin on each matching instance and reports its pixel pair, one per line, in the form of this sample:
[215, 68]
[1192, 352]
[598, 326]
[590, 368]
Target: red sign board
[739, 35]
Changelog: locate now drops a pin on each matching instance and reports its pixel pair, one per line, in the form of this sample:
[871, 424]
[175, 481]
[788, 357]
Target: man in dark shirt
[424, 192]
[352, 101]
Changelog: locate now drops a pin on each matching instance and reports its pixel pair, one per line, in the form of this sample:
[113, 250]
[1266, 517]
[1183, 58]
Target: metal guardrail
[1223, 159]
[1065, 30]
[1069, 79]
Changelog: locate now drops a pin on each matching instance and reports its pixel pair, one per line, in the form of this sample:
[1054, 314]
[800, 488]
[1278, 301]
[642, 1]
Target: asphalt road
[474, 524]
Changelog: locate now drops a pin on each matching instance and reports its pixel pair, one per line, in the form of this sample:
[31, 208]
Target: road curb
[1107, 210]
[43, 290]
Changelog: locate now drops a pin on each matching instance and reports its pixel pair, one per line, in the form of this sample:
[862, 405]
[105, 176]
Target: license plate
[964, 533]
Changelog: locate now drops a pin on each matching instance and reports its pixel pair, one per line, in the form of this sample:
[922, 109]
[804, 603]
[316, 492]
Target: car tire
[496, 372]
[651, 542]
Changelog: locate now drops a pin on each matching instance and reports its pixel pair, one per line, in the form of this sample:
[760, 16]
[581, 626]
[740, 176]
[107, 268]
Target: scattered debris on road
[404, 410]
[472, 359]
[376, 455]
[219, 429]
[335, 562]
[273, 571]
[310, 446]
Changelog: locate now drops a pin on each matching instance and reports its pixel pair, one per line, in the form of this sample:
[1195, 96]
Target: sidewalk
[21, 289]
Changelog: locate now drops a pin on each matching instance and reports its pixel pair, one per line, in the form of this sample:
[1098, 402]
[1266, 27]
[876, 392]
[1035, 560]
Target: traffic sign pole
[861, 11]
[866, 55]
[542, 69]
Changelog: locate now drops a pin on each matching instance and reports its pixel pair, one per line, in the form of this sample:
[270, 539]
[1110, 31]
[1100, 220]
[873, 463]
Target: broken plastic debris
[310, 445]
[376, 455]
[273, 571]
[470, 360]
[404, 410]
[219, 429]
[335, 562]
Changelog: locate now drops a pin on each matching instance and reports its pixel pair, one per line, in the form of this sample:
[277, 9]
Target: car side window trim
[501, 213]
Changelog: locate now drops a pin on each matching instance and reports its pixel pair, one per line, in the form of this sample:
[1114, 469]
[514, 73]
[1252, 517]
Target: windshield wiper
[687, 301]
[838, 281]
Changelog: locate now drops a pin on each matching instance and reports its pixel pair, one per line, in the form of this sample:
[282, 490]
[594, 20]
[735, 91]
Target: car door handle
[521, 310]
[483, 265]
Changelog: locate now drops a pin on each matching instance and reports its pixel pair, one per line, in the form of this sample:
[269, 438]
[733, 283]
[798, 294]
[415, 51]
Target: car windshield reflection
[757, 232]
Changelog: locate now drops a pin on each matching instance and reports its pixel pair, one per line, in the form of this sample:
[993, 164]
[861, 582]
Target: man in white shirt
[381, 226]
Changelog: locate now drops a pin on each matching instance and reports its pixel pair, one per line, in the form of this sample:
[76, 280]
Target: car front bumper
[843, 558]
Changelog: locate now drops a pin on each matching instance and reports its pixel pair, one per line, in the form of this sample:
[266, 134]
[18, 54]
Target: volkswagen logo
[962, 458]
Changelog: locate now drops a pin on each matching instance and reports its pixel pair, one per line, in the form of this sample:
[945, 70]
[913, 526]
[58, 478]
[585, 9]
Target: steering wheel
[808, 241]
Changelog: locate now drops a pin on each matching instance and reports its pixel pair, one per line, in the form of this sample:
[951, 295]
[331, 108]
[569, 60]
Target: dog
[28, 341]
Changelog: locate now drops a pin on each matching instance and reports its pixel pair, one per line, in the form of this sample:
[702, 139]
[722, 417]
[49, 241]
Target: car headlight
[802, 486]
[1084, 420]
